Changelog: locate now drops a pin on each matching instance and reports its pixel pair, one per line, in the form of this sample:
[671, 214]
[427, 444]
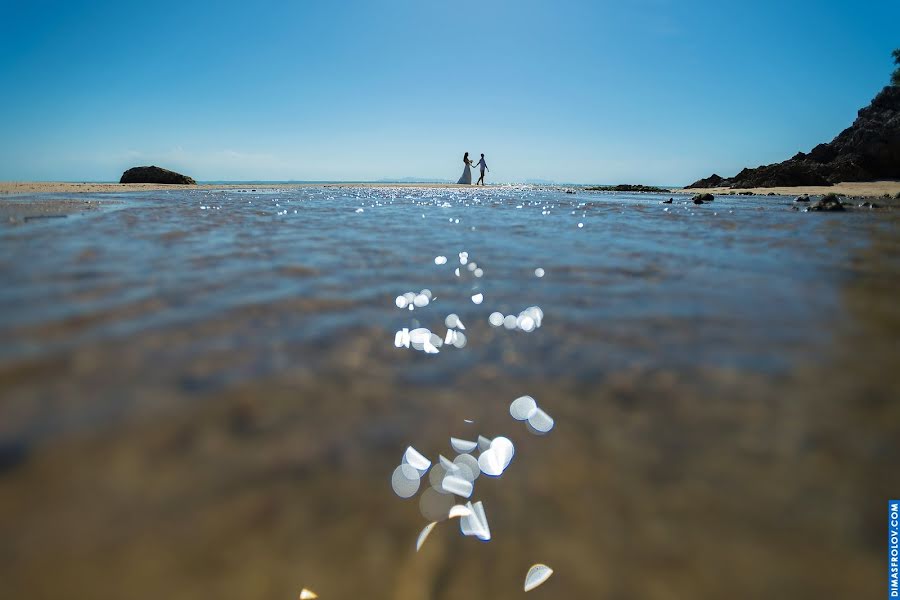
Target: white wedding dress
[466, 176]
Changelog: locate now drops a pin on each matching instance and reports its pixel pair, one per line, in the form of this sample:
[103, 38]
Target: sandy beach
[65, 187]
[856, 189]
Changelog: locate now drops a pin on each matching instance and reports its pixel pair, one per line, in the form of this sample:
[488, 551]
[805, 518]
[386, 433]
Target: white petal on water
[409, 297]
[469, 461]
[434, 504]
[436, 340]
[483, 443]
[459, 339]
[421, 300]
[430, 348]
[457, 271]
[459, 511]
[491, 462]
[359, 210]
[479, 272]
[405, 338]
[539, 272]
[427, 293]
[509, 322]
[483, 532]
[448, 465]
[537, 575]
[306, 594]
[401, 302]
[459, 324]
[423, 535]
[504, 448]
[439, 260]
[452, 321]
[457, 485]
[525, 323]
[398, 339]
[436, 476]
[522, 408]
[478, 298]
[462, 446]
[416, 460]
[535, 313]
[419, 335]
[448, 339]
[496, 319]
[464, 472]
[475, 524]
[468, 523]
[472, 266]
[580, 225]
[541, 421]
[405, 481]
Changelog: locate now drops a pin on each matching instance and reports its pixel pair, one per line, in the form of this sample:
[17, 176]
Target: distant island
[625, 187]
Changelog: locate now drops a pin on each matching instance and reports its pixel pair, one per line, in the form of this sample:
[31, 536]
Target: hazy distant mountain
[413, 180]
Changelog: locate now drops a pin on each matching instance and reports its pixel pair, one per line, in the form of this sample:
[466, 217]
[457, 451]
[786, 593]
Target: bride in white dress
[466, 177]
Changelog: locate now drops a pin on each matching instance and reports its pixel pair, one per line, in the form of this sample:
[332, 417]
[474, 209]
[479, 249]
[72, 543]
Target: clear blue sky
[650, 91]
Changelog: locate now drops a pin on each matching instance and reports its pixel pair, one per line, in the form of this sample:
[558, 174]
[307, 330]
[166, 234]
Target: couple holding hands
[466, 178]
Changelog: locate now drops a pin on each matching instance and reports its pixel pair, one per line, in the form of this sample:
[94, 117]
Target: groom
[484, 167]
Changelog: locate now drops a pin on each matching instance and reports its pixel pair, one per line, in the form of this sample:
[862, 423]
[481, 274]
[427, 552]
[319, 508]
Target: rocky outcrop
[827, 203]
[626, 187]
[867, 150]
[154, 174]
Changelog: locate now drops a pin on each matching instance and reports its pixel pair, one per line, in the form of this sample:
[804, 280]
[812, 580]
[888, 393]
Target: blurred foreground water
[200, 395]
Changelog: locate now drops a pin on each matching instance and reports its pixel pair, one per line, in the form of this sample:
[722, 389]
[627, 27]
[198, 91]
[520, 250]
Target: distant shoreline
[868, 189]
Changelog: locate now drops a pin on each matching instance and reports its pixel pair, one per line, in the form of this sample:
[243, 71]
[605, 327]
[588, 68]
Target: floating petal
[405, 481]
[537, 575]
[460, 511]
[423, 535]
[522, 408]
[469, 462]
[491, 462]
[457, 485]
[462, 446]
[415, 459]
[541, 421]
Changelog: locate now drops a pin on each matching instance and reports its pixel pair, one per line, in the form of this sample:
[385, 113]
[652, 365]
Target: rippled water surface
[200, 395]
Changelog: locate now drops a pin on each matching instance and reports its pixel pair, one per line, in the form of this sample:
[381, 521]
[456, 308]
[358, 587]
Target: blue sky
[645, 91]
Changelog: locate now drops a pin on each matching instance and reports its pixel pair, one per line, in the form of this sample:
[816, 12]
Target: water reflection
[208, 402]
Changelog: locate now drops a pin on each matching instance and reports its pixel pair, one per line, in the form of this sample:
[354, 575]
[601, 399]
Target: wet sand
[62, 187]
[22, 210]
[201, 403]
[871, 189]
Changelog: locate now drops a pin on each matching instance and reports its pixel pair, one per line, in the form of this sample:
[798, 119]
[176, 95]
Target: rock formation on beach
[867, 150]
[154, 174]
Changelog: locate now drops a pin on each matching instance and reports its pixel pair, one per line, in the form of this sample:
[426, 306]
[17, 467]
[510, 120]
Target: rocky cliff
[867, 150]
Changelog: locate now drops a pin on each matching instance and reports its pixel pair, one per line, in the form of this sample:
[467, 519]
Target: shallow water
[200, 394]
